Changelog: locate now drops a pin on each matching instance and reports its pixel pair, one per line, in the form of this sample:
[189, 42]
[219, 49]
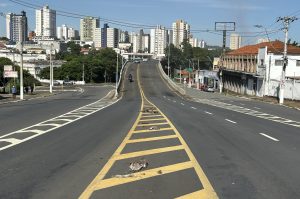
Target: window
[278, 62]
[297, 62]
[262, 62]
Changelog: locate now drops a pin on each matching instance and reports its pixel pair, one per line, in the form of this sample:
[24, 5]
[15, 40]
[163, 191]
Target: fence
[291, 91]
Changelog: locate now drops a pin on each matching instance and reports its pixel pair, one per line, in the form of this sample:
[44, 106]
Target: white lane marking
[168, 99]
[182, 104]
[14, 141]
[174, 101]
[164, 96]
[270, 137]
[257, 108]
[208, 112]
[230, 121]
[193, 108]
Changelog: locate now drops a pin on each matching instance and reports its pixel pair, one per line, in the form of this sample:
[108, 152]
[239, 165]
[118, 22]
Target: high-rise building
[124, 37]
[202, 44]
[146, 41]
[45, 27]
[16, 27]
[88, 26]
[194, 42]
[97, 37]
[181, 32]
[158, 40]
[112, 37]
[235, 41]
[62, 32]
[72, 33]
[104, 35]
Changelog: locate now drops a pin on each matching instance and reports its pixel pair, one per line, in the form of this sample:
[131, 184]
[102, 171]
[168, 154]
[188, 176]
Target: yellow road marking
[153, 124]
[153, 130]
[147, 152]
[147, 116]
[156, 119]
[152, 139]
[99, 183]
[143, 175]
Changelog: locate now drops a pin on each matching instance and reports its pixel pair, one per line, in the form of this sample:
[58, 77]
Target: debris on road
[153, 128]
[138, 165]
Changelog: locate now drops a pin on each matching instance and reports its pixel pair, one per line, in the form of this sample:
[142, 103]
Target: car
[210, 89]
[137, 61]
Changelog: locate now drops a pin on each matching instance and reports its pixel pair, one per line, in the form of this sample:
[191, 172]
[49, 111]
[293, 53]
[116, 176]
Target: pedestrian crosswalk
[248, 111]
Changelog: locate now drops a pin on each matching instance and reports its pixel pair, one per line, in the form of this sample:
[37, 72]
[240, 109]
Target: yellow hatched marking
[143, 175]
[153, 130]
[99, 183]
[152, 115]
[147, 152]
[152, 139]
[153, 124]
[197, 194]
[156, 119]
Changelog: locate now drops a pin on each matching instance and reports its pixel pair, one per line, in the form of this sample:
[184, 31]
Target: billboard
[11, 74]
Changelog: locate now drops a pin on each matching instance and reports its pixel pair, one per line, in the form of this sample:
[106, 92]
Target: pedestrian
[26, 89]
[14, 92]
[31, 89]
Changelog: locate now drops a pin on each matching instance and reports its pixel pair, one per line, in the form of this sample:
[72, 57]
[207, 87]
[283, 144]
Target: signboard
[10, 74]
[8, 68]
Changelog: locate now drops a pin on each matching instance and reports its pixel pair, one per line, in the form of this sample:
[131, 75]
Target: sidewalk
[7, 98]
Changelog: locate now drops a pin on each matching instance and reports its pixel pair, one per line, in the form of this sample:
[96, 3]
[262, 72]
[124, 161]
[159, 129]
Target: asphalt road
[192, 149]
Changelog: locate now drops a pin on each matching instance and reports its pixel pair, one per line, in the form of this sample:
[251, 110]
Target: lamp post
[51, 70]
[21, 73]
[169, 60]
[117, 70]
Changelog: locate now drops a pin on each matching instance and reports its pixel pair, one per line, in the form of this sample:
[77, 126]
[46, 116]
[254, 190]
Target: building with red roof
[256, 69]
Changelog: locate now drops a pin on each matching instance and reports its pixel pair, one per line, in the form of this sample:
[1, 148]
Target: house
[256, 69]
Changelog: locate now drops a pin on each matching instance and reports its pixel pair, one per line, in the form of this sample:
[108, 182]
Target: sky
[200, 14]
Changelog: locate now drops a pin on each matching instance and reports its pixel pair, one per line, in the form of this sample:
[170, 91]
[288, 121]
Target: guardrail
[120, 78]
[170, 81]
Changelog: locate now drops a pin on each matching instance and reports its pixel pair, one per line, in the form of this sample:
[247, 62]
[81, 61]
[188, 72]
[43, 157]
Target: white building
[97, 38]
[62, 32]
[88, 26]
[181, 32]
[72, 33]
[146, 43]
[158, 40]
[112, 37]
[235, 41]
[202, 44]
[45, 23]
[256, 70]
[16, 27]
[194, 42]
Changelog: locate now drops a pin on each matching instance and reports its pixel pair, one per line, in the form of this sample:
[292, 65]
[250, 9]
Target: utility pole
[286, 23]
[83, 72]
[51, 70]
[117, 71]
[169, 60]
[224, 27]
[21, 73]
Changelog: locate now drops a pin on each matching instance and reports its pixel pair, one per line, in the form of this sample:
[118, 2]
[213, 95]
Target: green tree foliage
[95, 64]
[29, 80]
[190, 57]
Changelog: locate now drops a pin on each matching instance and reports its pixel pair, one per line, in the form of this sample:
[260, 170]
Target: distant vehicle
[130, 78]
[210, 89]
[67, 82]
[56, 83]
[136, 61]
[145, 59]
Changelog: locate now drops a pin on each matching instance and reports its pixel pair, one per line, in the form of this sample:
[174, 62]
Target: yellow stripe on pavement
[152, 139]
[143, 175]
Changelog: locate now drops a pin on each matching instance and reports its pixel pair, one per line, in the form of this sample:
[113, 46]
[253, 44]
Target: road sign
[8, 68]
[11, 74]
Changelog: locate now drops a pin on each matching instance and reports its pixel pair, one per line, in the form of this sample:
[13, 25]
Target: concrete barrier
[170, 82]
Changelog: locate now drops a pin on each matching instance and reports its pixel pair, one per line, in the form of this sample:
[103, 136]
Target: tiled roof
[275, 47]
